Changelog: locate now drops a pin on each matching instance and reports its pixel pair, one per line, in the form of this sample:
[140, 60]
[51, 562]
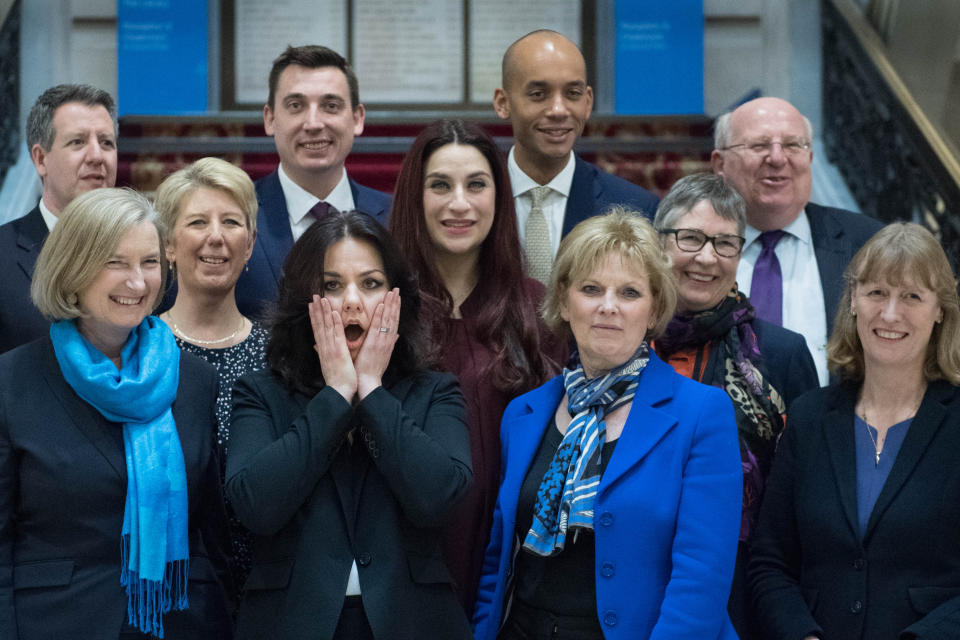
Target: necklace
[200, 342]
[876, 447]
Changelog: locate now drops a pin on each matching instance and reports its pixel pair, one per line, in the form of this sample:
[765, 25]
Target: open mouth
[315, 146]
[889, 335]
[352, 332]
[127, 302]
[212, 260]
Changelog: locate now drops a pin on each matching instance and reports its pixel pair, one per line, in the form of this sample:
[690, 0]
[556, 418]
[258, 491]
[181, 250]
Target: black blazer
[811, 570]
[20, 242]
[315, 508]
[837, 235]
[257, 285]
[63, 482]
[593, 191]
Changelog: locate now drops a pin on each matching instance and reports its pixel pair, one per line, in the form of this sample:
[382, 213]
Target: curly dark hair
[290, 352]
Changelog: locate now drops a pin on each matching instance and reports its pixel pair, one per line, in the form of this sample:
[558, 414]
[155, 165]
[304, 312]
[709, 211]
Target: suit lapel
[31, 232]
[841, 449]
[646, 425]
[363, 202]
[87, 419]
[922, 430]
[832, 258]
[584, 192]
[273, 224]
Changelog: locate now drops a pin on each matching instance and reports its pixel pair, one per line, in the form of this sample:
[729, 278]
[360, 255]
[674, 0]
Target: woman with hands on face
[346, 454]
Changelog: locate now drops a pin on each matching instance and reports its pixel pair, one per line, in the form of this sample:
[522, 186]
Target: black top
[564, 584]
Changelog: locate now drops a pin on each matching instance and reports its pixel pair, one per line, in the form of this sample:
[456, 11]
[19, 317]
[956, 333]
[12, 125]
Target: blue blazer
[593, 191]
[837, 236]
[20, 242]
[258, 284]
[667, 514]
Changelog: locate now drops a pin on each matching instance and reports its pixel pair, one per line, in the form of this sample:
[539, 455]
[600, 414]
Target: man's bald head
[545, 95]
[763, 150]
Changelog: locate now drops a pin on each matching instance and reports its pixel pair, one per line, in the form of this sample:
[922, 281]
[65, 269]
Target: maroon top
[468, 531]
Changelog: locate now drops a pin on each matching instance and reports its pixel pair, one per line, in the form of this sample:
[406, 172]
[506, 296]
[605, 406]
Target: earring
[246, 267]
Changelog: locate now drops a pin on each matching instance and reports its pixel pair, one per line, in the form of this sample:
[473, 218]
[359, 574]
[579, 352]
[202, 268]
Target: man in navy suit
[763, 148]
[545, 96]
[72, 138]
[313, 113]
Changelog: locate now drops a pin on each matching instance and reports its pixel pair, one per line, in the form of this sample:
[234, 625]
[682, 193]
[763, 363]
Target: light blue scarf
[154, 546]
[569, 487]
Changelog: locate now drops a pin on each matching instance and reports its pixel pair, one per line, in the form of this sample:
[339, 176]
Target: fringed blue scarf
[569, 487]
[154, 548]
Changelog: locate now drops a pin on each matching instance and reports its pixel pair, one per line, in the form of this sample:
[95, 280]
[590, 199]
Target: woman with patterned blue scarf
[111, 516]
[619, 506]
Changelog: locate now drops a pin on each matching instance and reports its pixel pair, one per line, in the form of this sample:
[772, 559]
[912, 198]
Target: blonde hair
[621, 232]
[900, 252]
[210, 173]
[77, 250]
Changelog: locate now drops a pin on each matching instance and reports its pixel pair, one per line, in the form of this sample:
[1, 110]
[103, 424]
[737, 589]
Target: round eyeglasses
[692, 240]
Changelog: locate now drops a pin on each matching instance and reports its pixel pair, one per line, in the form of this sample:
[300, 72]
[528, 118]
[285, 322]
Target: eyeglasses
[692, 240]
[763, 148]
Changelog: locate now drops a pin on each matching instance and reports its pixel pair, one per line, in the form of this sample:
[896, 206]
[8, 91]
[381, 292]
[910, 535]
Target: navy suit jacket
[666, 516]
[63, 482]
[837, 235]
[258, 284]
[814, 572]
[593, 191]
[20, 243]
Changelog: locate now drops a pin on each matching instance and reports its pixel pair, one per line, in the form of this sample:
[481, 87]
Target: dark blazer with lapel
[813, 572]
[593, 191]
[20, 243]
[666, 517]
[63, 482]
[837, 235]
[786, 360]
[257, 286]
[315, 510]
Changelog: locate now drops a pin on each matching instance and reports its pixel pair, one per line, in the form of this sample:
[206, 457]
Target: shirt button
[364, 559]
[610, 618]
[606, 518]
[858, 564]
[606, 569]
[856, 607]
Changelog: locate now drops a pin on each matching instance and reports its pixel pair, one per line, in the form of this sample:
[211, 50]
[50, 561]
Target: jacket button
[610, 618]
[856, 607]
[858, 564]
[606, 569]
[606, 518]
[364, 559]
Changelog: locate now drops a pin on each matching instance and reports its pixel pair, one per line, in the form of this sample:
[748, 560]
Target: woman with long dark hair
[346, 456]
[453, 217]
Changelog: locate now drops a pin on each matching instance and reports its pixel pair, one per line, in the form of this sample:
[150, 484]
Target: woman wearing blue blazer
[619, 508]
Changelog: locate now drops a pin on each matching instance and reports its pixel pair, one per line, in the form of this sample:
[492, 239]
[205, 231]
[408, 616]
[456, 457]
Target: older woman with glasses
[715, 338]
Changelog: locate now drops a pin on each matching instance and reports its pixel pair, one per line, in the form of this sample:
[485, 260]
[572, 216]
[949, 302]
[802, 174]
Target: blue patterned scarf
[569, 487]
[154, 546]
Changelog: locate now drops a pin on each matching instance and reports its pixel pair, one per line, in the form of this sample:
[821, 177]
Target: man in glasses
[795, 252]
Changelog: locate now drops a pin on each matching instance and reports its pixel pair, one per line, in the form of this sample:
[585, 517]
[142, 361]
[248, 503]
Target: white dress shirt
[804, 310]
[300, 201]
[555, 204]
[48, 217]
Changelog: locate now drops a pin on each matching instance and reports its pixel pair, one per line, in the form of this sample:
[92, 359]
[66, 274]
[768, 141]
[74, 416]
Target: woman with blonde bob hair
[209, 210]
[861, 515]
[621, 478]
[111, 514]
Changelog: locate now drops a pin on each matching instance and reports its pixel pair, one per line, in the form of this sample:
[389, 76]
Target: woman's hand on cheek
[331, 347]
[374, 356]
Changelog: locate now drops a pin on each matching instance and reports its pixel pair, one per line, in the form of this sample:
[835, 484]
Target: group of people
[519, 399]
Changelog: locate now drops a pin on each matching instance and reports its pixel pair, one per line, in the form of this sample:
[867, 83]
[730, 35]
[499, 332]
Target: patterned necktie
[320, 211]
[766, 288]
[537, 238]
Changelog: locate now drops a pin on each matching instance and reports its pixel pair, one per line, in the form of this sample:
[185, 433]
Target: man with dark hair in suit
[313, 112]
[545, 95]
[796, 251]
[72, 138]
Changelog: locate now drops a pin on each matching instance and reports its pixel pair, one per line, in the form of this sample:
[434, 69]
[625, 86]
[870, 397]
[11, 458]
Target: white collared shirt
[804, 310]
[555, 204]
[49, 217]
[300, 201]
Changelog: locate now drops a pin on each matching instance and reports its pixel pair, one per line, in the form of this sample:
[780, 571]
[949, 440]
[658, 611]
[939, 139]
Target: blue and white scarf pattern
[154, 545]
[568, 490]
